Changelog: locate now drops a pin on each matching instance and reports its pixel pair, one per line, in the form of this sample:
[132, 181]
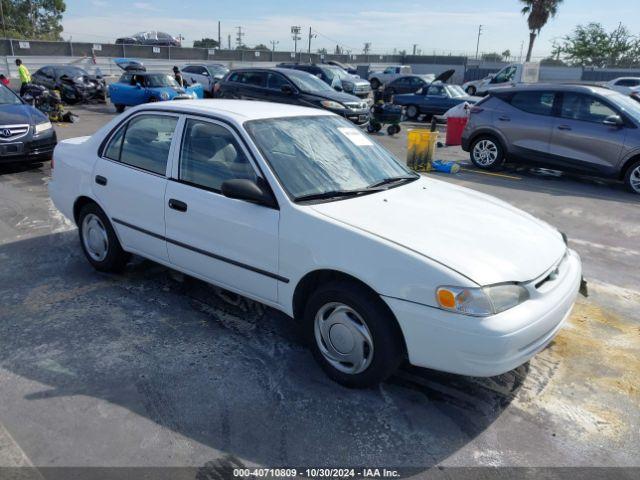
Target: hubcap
[634, 179]
[485, 153]
[412, 111]
[343, 338]
[94, 237]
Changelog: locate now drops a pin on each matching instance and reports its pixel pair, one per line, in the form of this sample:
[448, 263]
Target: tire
[99, 241]
[377, 126]
[119, 108]
[398, 129]
[486, 153]
[348, 314]
[632, 177]
[371, 128]
[375, 83]
[391, 130]
[412, 112]
[471, 90]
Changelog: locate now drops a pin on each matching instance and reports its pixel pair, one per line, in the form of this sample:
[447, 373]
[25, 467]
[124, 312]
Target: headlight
[348, 86]
[481, 302]
[164, 96]
[332, 105]
[43, 127]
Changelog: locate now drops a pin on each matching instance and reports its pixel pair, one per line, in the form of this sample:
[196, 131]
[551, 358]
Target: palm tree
[539, 12]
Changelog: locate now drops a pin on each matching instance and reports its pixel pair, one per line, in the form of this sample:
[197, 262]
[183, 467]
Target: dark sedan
[433, 100]
[26, 134]
[284, 85]
[74, 83]
[407, 84]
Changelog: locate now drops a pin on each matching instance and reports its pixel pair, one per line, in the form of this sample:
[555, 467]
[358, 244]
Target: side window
[389, 70]
[628, 82]
[577, 106]
[275, 81]
[126, 78]
[255, 79]
[187, 70]
[539, 103]
[146, 143]
[235, 77]
[210, 155]
[505, 75]
[115, 144]
[436, 91]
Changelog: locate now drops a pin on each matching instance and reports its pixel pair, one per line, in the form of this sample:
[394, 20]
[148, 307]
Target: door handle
[564, 127]
[504, 118]
[177, 205]
[100, 180]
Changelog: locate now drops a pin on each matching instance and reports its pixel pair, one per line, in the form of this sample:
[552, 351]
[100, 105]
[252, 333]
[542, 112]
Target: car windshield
[456, 91]
[7, 97]
[161, 80]
[72, 72]
[307, 82]
[322, 154]
[630, 106]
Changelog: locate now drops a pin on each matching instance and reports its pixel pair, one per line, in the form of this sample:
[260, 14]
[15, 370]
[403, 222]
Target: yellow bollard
[421, 148]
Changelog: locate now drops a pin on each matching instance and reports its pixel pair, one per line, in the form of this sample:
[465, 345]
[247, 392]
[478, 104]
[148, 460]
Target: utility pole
[311, 35]
[367, 48]
[521, 50]
[273, 45]
[229, 42]
[219, 38]
[415, 47]
[239, 36]
[478, 44]
[295, 34]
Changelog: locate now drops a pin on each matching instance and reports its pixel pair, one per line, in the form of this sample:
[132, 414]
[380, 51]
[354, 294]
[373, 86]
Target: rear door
[253, 86]
[581, 140]
[275, 82]
[130, 181]
[526, 120]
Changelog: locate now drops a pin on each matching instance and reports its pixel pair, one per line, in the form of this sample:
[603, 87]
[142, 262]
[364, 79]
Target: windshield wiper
[333, 194]
[387, 181]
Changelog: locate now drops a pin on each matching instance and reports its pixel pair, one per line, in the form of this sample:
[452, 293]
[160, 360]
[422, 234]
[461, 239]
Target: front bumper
[359, 117]
[33, 150]
[493, 345]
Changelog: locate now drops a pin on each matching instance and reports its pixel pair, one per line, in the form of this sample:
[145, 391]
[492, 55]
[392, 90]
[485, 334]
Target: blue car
[434, 99]
[136, 87]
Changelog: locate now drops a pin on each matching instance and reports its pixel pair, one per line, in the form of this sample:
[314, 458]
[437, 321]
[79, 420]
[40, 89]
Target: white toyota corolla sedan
[297, 209]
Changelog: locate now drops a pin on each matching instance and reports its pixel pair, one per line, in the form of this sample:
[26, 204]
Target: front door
[229, 242]
[130, 182]
[581, 140]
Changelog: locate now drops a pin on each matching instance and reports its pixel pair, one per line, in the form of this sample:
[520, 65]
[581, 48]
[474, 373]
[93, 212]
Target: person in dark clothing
[177, 74]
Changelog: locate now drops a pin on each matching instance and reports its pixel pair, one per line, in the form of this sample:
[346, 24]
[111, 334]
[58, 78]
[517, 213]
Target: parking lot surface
[152, 368]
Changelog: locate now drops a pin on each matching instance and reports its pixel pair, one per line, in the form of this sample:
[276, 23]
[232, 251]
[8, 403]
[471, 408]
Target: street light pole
[478, 44]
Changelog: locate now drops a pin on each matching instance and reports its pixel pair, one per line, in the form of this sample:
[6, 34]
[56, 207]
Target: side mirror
[613, 121]
[287, 89]
[338, 88]
[248, 190]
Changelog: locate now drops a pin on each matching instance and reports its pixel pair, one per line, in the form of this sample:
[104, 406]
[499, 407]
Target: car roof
[237, 110]
[558, 87]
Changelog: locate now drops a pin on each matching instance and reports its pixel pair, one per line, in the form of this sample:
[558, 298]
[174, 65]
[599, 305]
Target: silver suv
[579, 128]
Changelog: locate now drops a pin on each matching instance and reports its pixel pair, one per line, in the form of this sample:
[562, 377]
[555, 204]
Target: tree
[539, 12]
[206, 43]
[491, 57]
[506, 55]
[592, 46]
[261, 47]
[35, 19]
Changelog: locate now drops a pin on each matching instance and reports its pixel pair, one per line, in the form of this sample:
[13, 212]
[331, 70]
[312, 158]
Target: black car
[74, 83]
[295, 87]
[151, 37]
[26, 134]
[407, 84]
[334, 76]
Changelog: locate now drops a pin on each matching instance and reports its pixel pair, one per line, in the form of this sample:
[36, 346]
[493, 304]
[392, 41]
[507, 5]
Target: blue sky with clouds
[444, 26]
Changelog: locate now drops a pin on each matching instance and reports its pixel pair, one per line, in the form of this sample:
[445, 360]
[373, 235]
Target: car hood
[478, 236]
[21, 114]
[337, 96]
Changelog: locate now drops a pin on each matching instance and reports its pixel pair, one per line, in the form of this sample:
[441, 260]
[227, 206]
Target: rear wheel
[487, 153]
[119, 108]
[99, 241]
[412, 112]
[353, 335]
[632, 177]
[471, 90]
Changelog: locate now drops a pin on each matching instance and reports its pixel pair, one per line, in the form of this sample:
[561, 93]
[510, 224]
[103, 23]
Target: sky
[442, 27]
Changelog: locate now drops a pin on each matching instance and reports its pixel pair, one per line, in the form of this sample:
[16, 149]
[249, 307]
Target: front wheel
[471, 90]
[99, 241]
[632, 177]
[487, 153]
[412, 112]
[353, 334]
[119, 108]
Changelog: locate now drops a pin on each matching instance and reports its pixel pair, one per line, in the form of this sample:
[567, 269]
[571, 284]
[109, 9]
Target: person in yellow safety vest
[25, 76]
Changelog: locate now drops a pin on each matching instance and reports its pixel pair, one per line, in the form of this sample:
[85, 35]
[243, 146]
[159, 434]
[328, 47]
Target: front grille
[13, 132]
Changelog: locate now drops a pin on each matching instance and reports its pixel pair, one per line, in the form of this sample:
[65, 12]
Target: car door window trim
[215, 256]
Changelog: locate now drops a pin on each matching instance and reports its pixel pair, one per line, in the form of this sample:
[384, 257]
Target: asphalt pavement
[152, 368]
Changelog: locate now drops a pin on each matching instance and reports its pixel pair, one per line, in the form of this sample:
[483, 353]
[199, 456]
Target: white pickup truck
[510, 75]
[377, 79]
